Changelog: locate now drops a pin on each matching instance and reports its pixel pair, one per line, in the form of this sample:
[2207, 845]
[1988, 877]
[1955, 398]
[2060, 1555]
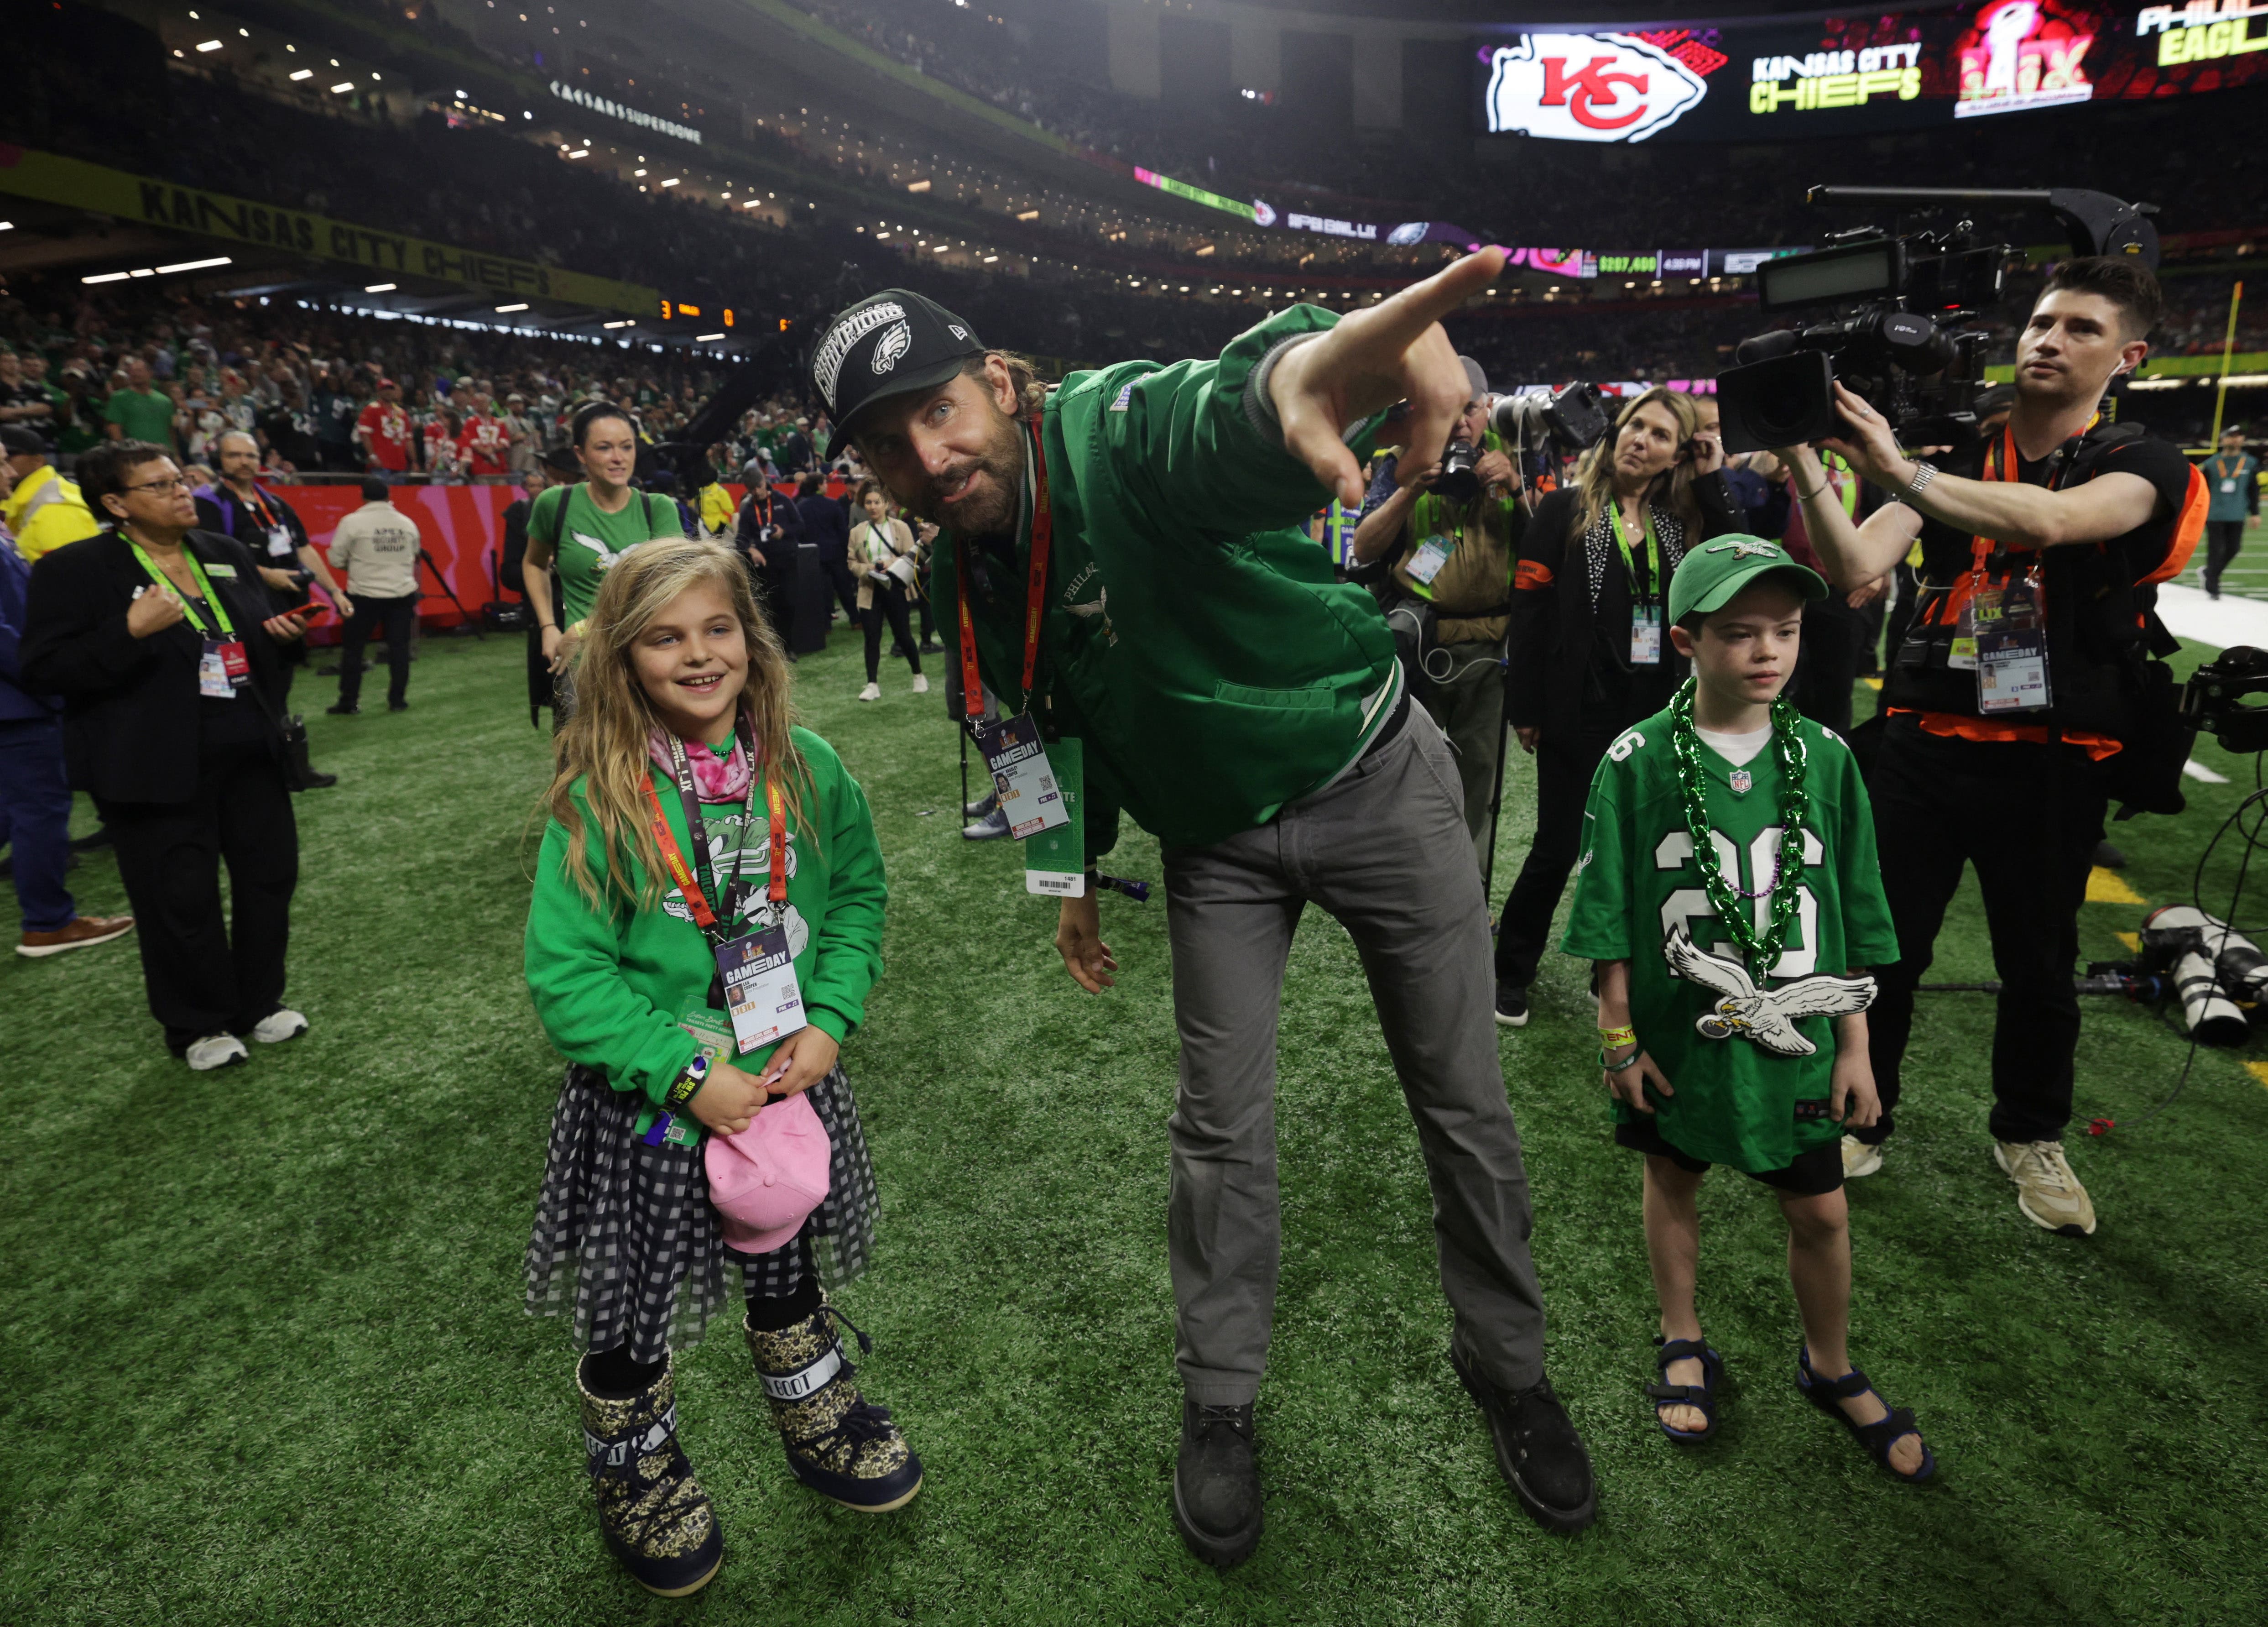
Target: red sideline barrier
[462, 527]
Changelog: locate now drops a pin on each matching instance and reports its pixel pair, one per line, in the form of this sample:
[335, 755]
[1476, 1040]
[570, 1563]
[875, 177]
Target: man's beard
[985, 515]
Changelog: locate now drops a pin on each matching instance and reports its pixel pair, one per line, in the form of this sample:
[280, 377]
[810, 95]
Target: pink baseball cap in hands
[765, 1180]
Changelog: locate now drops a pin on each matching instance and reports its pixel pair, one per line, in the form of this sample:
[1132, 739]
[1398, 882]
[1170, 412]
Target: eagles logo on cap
[893, 344]
[889, 343]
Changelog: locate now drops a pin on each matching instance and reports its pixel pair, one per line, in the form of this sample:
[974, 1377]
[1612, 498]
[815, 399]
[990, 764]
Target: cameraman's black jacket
[2100, 600]
[1570, 671]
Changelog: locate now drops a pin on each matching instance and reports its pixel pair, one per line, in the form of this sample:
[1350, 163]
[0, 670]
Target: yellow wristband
[1613, 1037]
[578, 628]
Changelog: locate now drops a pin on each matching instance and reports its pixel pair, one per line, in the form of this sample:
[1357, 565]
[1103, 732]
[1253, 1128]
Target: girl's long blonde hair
[604, 744]
[1671, 489]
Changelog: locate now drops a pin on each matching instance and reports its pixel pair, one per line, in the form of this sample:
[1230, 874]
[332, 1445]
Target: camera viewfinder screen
[1806, 279]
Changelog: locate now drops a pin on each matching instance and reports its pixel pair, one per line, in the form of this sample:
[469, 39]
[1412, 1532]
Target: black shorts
[1812, 1175]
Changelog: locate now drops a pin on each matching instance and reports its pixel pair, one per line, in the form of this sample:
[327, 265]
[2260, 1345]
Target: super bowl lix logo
[1589, 87]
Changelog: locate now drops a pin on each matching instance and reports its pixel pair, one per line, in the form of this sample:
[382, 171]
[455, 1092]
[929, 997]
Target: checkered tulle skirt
[625, 1235]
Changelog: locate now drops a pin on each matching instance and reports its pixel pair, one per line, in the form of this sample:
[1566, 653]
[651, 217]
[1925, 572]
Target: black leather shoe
[321, 782]
[1217, 1484]
[343, 709]
[1537, 1451]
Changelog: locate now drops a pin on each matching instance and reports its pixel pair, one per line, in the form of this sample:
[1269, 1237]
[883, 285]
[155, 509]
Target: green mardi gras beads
[1786, 889]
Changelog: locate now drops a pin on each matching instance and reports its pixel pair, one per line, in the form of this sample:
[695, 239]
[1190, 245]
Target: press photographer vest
[2102, 625]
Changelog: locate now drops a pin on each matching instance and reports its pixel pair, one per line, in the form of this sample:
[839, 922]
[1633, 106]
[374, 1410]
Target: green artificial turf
[265, 1359]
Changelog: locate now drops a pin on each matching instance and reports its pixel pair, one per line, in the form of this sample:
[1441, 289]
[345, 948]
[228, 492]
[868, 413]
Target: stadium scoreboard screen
[1765, 79]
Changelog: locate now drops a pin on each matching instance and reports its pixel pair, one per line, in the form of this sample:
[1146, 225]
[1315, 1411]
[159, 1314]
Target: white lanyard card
[760, 987]
[1029, 795]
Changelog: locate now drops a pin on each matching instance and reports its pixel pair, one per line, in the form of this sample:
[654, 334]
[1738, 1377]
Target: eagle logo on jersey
[1763, 1017]
[890, 346]
[607, 557]
[1100, 606]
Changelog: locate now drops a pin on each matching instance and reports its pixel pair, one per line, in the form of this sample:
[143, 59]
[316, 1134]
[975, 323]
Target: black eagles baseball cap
[886, 344]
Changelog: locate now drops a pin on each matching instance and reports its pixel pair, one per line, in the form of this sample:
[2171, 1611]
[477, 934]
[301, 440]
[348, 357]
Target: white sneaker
[921, 684]
[279, 1025]
[1861, 1158]
[2046, 1190]
[873, 691]
[214, 1051]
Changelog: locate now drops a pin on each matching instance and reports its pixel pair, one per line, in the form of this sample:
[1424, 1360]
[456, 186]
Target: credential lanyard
[1043, 529]
[212, 599]
[2002, 464]
[698, 888]
[1646, 554]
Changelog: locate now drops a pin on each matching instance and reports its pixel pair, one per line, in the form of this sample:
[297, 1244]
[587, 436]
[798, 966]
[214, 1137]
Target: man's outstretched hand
[1078, 939]
[1392, 350]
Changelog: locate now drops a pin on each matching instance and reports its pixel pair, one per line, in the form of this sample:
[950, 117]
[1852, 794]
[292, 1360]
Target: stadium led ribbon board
[1749, 79]
[80, 185]
[628, 115]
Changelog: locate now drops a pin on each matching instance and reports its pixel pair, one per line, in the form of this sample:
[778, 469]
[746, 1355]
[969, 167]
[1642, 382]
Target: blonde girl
[690, 813]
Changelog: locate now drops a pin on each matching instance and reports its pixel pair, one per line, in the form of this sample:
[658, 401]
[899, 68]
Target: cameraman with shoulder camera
[1456, 528]
[1590, 654]
[2021, 699]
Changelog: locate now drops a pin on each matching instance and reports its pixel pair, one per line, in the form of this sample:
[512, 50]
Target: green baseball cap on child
[1710, 576]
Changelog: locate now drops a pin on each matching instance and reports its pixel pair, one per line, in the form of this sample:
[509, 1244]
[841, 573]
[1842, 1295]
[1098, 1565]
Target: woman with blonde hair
[1590, 654]
[883, 550]
[706, 923]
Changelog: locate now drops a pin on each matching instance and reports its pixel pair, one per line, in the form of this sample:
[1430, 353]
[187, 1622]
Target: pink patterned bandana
[718, 780]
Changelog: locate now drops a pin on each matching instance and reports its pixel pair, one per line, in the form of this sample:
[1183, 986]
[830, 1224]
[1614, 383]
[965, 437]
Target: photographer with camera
[1456, 530]
[2021, 698]
[1589, 653]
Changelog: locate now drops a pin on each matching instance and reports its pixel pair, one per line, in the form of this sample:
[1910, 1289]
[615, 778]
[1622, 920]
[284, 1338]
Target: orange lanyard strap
[697, 888]
[1044, 528]
[777, 807]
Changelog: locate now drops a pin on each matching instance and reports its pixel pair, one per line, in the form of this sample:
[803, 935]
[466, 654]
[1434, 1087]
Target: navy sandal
[1701, 1396]
[1877, 1438]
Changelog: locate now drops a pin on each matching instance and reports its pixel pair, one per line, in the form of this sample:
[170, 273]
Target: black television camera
[1903, 333]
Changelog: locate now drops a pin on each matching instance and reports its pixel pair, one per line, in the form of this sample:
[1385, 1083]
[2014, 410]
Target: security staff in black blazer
[160, 639]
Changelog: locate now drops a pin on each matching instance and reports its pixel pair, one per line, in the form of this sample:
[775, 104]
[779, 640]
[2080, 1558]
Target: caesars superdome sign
[1769, 78]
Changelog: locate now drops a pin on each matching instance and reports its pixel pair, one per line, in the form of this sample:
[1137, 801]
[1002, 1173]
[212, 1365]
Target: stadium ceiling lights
[381, 287]
[506, 310]
[704, 338]
[209, 45]
[342, 87]
[162, 270]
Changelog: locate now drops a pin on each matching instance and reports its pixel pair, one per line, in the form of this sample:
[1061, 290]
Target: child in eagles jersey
[1729, 893]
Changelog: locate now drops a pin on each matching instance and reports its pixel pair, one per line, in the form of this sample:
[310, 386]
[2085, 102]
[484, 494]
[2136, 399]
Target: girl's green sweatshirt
[613, 985]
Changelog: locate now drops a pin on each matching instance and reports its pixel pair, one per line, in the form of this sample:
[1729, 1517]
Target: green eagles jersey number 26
[1747, 1056]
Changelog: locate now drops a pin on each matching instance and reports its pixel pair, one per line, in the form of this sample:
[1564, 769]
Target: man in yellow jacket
[45, 511]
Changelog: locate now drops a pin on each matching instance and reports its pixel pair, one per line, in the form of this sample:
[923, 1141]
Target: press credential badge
[760, 987]
[1425, 564]
[1029, 793]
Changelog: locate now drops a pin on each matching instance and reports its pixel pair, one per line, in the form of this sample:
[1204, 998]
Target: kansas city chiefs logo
[896, 342]
[1589, 87]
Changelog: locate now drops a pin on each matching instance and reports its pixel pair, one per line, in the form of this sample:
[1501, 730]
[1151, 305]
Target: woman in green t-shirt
[581, 530]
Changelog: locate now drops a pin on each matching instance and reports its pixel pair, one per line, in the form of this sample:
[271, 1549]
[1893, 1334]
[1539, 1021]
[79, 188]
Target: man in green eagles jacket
[1247, 711]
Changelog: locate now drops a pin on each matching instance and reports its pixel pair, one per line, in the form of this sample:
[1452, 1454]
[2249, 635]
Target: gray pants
[1383, 850]
[1467, 700]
